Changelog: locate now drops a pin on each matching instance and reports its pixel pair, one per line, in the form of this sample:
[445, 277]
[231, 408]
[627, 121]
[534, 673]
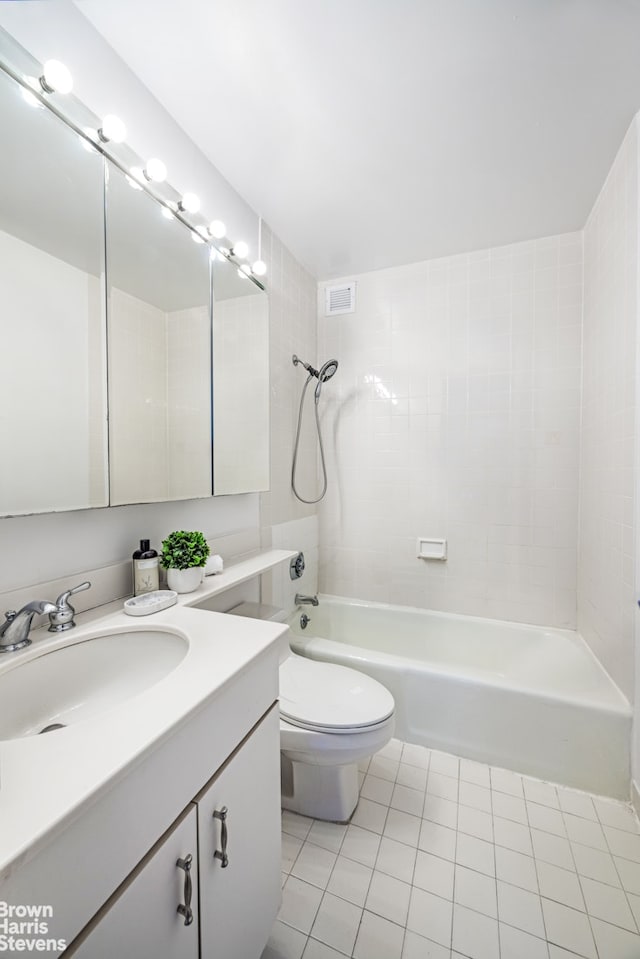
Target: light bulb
[112, 129]
[88, 146]
[242, 274]
[136, 174]
[56, 78]
[259, 268]
[217, 229]
[246, 269]
[167, 214]
[240, 249]
[155, 170]
[189, 203]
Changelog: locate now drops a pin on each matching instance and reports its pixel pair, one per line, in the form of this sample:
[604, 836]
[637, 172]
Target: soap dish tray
[147, 603]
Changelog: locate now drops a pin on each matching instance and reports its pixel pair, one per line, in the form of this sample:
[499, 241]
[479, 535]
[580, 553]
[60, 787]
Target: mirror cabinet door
[240, 382]
[159, 335]
[53, 379]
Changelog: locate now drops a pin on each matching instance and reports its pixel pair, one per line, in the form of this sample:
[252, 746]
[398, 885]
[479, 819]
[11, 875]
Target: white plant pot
[184, 580]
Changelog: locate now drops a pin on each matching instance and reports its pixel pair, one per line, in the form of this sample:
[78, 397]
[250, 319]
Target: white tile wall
[607, 565]
[455, 413]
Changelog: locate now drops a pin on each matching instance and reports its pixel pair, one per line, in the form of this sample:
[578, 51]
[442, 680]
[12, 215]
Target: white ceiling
[371, 133]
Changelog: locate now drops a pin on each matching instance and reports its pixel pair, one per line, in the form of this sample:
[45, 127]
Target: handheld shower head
[325, 373]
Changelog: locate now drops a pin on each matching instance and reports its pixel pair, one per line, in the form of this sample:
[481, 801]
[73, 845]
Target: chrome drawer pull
[186, 910]
[222, 854]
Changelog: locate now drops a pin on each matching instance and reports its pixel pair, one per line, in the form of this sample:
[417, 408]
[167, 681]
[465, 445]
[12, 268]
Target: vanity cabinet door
[239, 847]
[142, 918]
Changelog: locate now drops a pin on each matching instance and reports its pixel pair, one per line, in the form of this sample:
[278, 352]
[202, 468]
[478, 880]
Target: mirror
[159, 344]
[240, 382]
[52, 386]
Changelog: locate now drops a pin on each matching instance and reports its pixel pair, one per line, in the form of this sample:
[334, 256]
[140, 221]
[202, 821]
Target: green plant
[183, 550]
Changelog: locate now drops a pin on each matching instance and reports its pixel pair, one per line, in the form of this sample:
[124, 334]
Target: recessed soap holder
[431, 548]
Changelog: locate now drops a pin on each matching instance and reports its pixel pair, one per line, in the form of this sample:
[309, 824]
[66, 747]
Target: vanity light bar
[56, 78]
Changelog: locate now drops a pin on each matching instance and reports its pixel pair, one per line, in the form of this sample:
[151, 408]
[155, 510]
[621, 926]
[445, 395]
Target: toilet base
[320, 792]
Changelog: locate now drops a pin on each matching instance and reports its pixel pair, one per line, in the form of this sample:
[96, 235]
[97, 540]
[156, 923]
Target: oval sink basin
[66, 685]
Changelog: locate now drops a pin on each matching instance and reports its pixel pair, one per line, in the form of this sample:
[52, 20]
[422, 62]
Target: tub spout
[301, 600]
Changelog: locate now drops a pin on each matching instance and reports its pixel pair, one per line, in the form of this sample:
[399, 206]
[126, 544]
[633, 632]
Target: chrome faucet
[14, 632]
[301, 600]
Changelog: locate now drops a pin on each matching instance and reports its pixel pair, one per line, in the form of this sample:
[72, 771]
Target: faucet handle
[62, 599]
[62, 616]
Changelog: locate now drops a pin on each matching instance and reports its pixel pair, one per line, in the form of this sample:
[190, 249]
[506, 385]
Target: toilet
[331, 717]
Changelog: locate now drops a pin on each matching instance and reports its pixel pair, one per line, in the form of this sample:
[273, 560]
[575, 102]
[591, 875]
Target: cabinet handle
[222, 854]
[186, 910]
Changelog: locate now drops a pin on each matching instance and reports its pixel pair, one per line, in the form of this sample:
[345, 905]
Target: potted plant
[184, 555]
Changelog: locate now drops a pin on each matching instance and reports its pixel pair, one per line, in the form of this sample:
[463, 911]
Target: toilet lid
[330, 697]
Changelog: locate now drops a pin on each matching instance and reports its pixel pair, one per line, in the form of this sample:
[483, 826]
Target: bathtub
[526, 698]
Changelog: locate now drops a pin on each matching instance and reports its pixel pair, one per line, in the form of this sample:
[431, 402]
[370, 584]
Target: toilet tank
[264, 611]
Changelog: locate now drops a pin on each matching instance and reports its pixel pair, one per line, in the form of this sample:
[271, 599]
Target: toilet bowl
[331, 717]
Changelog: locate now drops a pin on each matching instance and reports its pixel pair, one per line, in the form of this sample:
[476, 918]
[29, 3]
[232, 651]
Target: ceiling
[371, 133]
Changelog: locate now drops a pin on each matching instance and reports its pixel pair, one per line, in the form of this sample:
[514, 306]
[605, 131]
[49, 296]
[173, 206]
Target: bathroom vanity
[150, 826]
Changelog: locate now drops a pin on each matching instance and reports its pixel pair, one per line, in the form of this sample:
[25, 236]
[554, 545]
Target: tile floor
[450, 859]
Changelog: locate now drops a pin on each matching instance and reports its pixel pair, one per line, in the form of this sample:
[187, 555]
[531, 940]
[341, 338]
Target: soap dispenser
[145, 569]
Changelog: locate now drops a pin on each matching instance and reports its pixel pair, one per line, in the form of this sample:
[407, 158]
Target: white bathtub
[526, 698]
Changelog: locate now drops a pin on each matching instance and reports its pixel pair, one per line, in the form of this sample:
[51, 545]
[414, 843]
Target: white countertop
[46, 781]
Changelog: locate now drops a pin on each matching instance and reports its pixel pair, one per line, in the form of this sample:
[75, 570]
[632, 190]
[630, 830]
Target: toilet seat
[328, 698]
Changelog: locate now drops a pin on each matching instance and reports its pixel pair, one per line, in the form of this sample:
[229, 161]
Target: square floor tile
[629, 873]
[594, 864]
[539, 792]
[472, 772]
[475, 854]
[396, 859]
[300, 903]
[444, 763]
[615, 943]
[513, 835]
[608, 903]
[505, 781]
[437, 839]
[576, 803]
[402, 827]
[361, 845]
[415, 755]
[475, 891]
[553, 849]
[388, 897]
[520, 908]
[314, 865]
[329, 835]
[441, 785]
[474, 935]
[384, 768]
[434, 874]
[476, 796]
[407, 799]
[585, 831]
[430, 916]
[296, 825]
[476, 823]
[412, 776]
[291, 846]
[393, 750]
[516, 868]
[516, 944]
[350, 880]
[284, 942]
[337, 923]
[568, 928]
[561, 885]
[378, 938]
[376, 789]
[417, 947]
[319, 950]
[509, 807]
[546, 819]
[440, 810]
[370, 815]
[617, 814]
[622, 843]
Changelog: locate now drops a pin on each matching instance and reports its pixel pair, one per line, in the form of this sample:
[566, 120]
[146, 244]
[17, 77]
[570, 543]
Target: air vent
[340, 299]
